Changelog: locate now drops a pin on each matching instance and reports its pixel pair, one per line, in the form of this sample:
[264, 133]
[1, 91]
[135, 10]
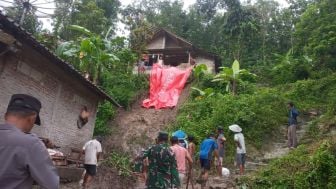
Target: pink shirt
[180, 156]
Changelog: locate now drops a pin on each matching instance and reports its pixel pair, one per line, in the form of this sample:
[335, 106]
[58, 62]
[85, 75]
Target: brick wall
[61, 95]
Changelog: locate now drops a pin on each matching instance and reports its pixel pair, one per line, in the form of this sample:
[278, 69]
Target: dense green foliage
[312, 167]
[98, 16]
[291, 50]
[259, 111]
[108, 63]
[316, 34]
[232, 77]
[120, 162]
[250, 33]
[258, 114]
[104, 114]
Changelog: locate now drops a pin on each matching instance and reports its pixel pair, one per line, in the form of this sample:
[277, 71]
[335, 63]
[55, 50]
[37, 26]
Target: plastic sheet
[166, 85]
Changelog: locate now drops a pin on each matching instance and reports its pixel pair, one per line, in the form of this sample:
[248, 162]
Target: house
[26, 66]
[176, 51]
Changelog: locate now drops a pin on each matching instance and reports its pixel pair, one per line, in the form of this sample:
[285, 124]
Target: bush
[124, 87]
[120, 162]
[258, 114]
[312, 93]
[104, 114]
[290, 72]
[305, 167]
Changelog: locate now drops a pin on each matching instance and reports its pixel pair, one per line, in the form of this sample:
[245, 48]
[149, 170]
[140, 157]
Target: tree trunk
[234, 87]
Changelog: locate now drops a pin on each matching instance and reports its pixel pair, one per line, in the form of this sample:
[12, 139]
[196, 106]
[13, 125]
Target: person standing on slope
[292, 124]
[241, 150]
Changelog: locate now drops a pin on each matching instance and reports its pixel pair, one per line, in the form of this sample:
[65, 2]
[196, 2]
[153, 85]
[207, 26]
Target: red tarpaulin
[166, 85]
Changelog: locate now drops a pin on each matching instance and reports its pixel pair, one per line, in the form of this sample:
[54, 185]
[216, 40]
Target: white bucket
[225, 172]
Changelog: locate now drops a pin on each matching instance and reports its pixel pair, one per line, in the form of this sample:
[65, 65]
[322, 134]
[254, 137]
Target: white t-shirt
[239, 137]
[91, 149]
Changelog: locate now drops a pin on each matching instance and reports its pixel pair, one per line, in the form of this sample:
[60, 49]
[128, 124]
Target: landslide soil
[137, 127]
[132, 130]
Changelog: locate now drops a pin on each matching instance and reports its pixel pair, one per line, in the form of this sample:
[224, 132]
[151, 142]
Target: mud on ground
[133, 130]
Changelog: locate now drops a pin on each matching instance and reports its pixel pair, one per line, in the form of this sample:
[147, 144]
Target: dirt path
[275, 150]
[278, 147]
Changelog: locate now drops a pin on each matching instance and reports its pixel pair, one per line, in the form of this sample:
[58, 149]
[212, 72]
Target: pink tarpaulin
[166, 85]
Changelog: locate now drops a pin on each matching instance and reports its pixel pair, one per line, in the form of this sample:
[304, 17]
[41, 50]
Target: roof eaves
[26, 36]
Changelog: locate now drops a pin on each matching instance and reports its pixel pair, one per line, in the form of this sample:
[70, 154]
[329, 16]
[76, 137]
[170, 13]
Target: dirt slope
[138, 127]
[132, 130]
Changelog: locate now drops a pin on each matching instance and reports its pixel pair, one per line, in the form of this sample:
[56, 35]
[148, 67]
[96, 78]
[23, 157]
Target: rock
[313, 113]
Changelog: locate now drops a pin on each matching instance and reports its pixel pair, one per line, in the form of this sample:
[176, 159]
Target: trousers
[292, 139]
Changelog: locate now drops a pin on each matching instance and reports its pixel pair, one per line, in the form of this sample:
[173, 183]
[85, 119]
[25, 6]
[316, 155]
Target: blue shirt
[293, 113]
[207, 147]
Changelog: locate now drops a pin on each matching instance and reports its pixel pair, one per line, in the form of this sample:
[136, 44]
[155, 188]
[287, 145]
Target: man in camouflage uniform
[162, 169]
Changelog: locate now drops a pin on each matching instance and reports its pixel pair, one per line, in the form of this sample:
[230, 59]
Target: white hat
[235, 128]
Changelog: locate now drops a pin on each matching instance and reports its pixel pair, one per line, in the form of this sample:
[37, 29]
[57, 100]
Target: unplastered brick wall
[61, 95]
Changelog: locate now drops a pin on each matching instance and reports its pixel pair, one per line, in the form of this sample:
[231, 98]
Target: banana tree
[90, 54]
[231, 76]
[208, 92]
[199, 71]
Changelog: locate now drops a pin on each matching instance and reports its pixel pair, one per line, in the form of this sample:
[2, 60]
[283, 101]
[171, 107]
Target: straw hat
[235, 128]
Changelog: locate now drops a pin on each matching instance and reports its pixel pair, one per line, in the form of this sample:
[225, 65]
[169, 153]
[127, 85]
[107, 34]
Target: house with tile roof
[26, 66]
[174, 50]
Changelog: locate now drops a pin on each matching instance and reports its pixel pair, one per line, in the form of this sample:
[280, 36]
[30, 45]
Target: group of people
[25, 159]
[170, 166]
[167, 166]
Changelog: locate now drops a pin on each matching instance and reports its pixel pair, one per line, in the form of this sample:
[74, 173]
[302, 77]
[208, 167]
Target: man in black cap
[162, 168]
[23, 156]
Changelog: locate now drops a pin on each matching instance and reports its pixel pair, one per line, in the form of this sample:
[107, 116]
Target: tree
[207, 9]
[231, 76]
[90, 54]
[98, 16]
[316, 34]
[206, 93]
[159, 13]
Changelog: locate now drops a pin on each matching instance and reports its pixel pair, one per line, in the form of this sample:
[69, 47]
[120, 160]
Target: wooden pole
[190, 179]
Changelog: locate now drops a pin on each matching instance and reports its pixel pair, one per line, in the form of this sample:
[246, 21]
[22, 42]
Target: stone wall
[62, 96]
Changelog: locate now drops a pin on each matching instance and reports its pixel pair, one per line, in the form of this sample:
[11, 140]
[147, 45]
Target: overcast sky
[47, 7]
